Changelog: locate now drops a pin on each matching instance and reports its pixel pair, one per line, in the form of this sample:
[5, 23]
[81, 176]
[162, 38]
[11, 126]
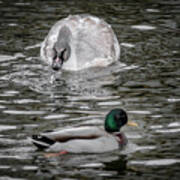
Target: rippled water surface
[146, 83]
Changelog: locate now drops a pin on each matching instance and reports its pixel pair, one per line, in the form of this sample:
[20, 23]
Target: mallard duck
[78, 42]
[89, 139]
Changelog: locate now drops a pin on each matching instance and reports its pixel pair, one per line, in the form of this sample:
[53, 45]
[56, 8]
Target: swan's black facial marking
[58, 58]
[61, 54]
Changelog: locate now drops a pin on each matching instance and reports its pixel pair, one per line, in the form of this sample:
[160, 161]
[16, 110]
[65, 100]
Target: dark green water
[146, 83]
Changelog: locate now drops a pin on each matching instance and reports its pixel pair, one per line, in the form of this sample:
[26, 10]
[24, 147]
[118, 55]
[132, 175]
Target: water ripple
[166, 131]
[143, 27]
[15, 112]
[157, 162]
[7, 127]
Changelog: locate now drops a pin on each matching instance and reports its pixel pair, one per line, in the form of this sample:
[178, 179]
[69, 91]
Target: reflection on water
[145, 82]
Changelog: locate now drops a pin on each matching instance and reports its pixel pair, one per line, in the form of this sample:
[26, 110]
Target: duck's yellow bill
[130, 123]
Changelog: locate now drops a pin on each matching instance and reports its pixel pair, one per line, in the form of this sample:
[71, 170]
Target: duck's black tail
[42, 142]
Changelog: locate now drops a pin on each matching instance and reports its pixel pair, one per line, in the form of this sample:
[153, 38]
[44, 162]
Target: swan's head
[61, 49]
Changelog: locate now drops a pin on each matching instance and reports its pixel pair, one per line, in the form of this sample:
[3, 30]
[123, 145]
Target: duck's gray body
[92, 42]
[80, 140]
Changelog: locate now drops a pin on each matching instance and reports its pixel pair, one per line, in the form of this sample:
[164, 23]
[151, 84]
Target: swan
[78, 42]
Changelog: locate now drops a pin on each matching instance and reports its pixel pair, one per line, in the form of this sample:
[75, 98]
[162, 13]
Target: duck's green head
[115, 119]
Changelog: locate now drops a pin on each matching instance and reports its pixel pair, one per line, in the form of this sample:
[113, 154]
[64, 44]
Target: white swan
[78, 42]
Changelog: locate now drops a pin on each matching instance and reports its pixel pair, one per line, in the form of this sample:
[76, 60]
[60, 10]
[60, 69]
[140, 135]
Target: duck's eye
[117, 117]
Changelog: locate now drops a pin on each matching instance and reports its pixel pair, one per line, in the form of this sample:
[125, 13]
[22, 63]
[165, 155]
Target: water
[146, 83]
